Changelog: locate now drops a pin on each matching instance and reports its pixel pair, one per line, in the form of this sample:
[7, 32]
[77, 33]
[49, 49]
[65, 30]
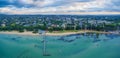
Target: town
[52, 23]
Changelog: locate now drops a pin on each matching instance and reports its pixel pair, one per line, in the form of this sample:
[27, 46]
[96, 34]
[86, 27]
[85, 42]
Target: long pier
[44, 44]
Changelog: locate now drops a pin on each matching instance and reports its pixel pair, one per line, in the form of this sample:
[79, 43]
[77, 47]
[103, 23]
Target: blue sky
[59, 6]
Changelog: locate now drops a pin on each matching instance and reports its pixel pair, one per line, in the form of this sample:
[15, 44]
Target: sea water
[70, 46]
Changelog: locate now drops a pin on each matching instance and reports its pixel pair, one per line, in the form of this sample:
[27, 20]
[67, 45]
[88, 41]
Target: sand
[51, 34]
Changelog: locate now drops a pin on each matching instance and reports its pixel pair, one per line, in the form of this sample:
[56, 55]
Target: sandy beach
[53, 33]
[17, 33]
[78, 32]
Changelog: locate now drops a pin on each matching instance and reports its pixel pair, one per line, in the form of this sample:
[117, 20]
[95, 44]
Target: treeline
[34, 29]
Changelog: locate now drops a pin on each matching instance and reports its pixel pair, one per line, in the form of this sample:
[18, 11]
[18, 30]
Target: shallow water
[72, 46]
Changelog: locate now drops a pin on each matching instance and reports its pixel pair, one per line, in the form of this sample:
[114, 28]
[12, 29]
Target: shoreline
[55, 33]
[18, 33]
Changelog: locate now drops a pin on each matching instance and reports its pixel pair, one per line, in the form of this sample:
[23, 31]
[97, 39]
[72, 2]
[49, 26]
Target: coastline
[18, 33]
[54, 33]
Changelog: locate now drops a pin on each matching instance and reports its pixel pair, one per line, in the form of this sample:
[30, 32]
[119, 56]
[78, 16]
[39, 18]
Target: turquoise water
[72, 46]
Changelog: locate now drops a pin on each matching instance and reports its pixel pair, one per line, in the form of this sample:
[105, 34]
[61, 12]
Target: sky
[60, 7]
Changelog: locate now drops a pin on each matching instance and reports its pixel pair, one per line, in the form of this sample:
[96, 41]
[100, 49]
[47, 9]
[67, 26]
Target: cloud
[60, 7]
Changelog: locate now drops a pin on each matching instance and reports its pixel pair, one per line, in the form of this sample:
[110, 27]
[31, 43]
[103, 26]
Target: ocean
[71, 46]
